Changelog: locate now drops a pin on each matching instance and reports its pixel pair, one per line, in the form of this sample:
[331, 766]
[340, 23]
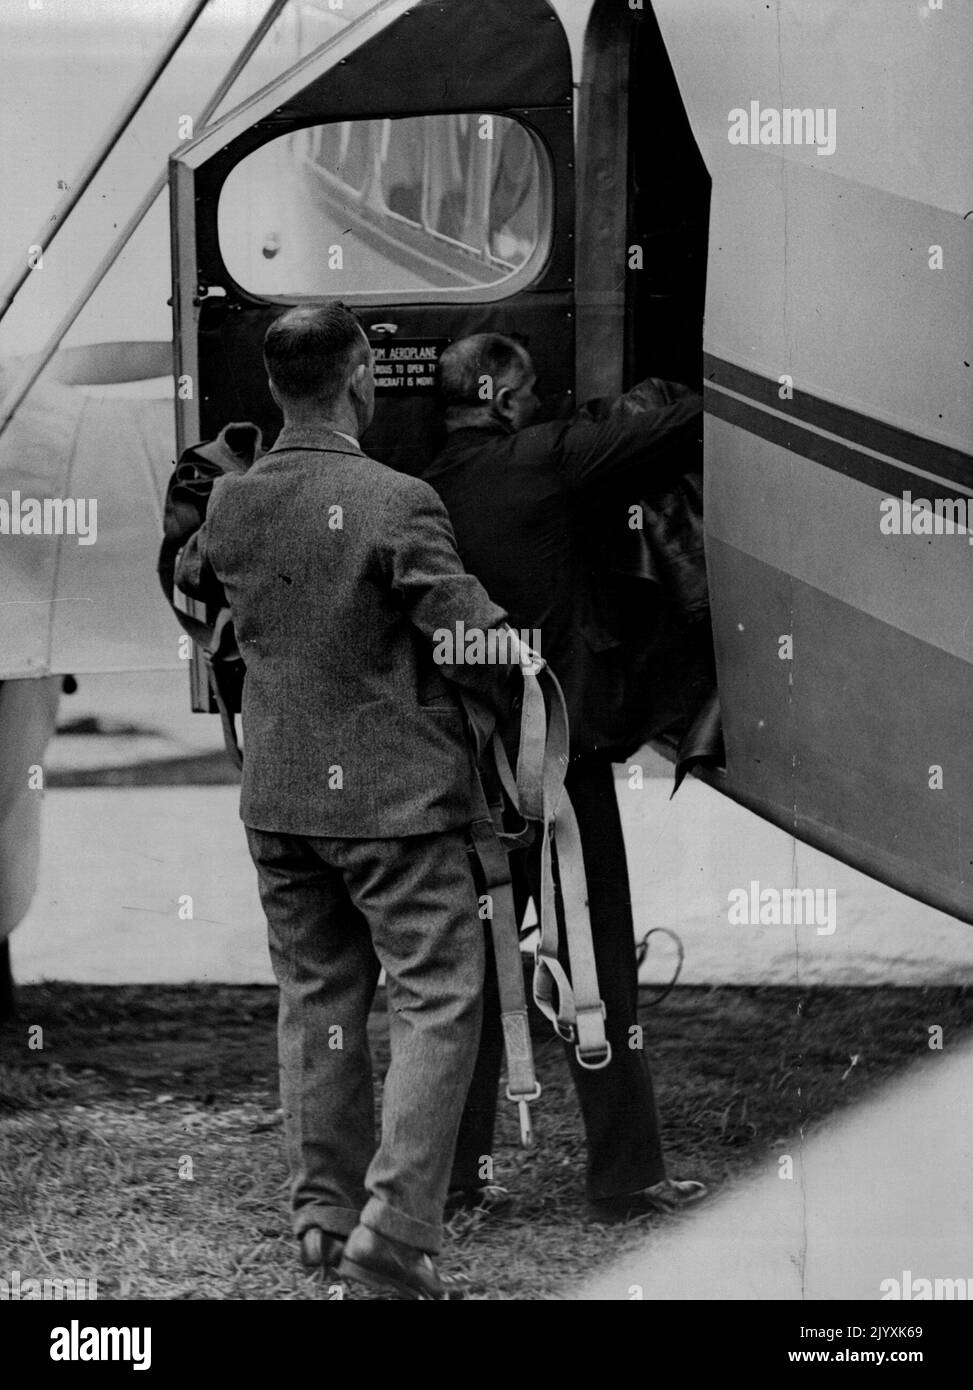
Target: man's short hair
[311, 351]
[472, 370]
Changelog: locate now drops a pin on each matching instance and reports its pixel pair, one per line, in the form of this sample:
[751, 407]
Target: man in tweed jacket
[357, 788]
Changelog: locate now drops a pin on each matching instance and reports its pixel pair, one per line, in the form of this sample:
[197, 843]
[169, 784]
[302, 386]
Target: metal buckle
[595, 1066]
[603, 1056]
[523, 1107]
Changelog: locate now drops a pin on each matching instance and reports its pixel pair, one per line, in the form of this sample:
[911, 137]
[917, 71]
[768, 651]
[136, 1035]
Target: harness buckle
[593, 1050]
[523, 1107]
[602, 1057]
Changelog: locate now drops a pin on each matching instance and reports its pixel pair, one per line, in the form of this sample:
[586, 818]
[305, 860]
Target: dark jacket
[530, 510]
[338, 572]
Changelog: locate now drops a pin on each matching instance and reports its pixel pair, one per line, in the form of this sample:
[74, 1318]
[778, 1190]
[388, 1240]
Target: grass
[131, 1082]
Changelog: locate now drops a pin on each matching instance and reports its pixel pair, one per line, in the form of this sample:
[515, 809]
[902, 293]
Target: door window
[437, 205]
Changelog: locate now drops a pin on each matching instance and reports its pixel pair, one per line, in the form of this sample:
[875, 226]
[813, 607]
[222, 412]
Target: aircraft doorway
[643, 202]
[643, 216]
[668, 220]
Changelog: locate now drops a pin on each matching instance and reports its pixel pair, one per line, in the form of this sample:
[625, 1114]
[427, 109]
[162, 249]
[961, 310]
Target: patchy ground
[142, 1143]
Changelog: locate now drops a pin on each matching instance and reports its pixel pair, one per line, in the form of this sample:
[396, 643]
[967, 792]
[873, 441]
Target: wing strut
[36, 365]
[53, 224]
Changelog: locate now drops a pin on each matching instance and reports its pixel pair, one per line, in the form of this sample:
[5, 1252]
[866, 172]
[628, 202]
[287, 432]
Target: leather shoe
[663, 1198]
[321, 1250]
[391, 1267]
[491, 1199]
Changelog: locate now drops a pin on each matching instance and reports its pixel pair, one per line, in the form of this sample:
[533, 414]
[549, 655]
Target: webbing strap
[542, 757]
[573, 1005]
[522, 1084]
[222, 638]
[592, 1047]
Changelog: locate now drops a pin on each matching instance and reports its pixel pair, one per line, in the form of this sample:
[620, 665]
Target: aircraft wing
[86, 599]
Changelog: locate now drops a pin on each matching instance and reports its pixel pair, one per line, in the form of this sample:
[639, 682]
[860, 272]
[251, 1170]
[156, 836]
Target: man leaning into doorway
[519, 497]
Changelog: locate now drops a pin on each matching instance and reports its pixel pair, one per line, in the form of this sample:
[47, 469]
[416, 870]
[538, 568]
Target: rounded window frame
[524, 278]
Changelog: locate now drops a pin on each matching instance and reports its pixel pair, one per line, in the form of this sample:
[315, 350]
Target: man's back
[337, 570]
[515, 526]
[527, 508]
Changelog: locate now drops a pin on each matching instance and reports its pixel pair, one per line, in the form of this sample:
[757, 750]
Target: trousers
[618, 1102]
[337, 910]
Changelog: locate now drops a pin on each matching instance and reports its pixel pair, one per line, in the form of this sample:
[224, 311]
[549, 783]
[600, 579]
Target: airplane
[768, 200]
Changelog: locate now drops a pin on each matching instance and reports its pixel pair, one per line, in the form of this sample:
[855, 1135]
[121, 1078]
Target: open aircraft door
[418, 165]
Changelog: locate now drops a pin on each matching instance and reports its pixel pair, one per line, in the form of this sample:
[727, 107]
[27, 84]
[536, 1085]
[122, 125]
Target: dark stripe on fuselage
[911, 449]
[889, 479]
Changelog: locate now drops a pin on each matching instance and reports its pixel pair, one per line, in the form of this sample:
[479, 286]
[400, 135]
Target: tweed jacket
[339, 572]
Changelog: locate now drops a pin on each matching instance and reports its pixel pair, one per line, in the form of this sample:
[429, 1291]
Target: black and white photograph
[486, 628]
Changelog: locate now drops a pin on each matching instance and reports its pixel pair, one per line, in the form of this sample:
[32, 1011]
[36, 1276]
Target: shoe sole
[387, 1283]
